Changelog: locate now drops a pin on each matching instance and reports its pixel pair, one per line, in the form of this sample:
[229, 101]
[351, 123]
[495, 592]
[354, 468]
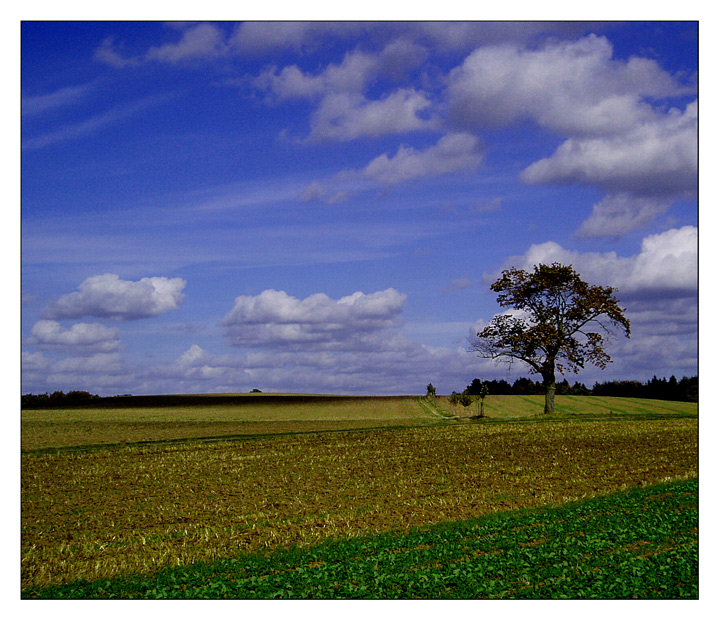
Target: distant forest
[686, 389]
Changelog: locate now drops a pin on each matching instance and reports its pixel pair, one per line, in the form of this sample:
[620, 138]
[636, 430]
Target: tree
[431, 391]
[475, 387]
[463, 399]
[559, 323]
[483, 392]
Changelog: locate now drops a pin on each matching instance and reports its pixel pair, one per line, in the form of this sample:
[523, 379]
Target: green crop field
[100, 508]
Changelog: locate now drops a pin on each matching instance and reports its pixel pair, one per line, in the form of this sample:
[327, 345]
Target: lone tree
[483, 392]
[560, 323]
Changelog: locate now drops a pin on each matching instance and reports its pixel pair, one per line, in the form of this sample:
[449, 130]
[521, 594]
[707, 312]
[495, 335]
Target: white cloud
[657, 157]
[274, 318]
[572, 88]
[194, 355]
[103, 373]
[37, 104]
[317, 192]
[666, 266]
[290, 83]
[256, 37]
[33, 361]
[108, 53]
[658, 286]
[200, 41]
[107, 296]
[81, 336]
[453, 153]
[458, 152]
[618, 214]
[92, 124]
[348, 116]
[441, 37]
[643, 156]
[386, 369]
[344, 112]
[353, 75]
[98, 363]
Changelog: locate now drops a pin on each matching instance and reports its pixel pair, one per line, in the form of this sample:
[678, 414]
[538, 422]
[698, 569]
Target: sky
[321, 207]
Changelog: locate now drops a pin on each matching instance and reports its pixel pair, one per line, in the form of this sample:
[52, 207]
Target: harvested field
[104, 512]
[149, 418]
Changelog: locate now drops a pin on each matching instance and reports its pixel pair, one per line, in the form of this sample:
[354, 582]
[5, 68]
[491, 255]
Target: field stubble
[214, 417]
[104, 512]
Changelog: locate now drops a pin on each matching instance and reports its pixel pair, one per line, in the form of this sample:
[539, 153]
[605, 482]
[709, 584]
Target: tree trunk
[550, 387]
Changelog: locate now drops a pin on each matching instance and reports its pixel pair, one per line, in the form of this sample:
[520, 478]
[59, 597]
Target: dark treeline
[687, 389]
[74, 397]
[85, 400]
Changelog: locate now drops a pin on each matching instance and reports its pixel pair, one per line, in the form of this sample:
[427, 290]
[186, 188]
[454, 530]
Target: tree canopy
[559, 323]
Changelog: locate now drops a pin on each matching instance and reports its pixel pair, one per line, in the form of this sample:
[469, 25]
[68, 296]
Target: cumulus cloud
[386, 369]
[441, 37]
[81, 336]
[33, 361]
[666, 266]
[572, 88]
[102, 372]
[344, 112]
[643, 157]
[658, 286]
[352, 75]
[107, 296]
[347, 116]
[275, 318]
[457, 152]
[655, 158]
[97, 363]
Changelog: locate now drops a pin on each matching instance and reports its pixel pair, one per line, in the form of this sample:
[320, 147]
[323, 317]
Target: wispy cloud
[37, 104]
[93, 124]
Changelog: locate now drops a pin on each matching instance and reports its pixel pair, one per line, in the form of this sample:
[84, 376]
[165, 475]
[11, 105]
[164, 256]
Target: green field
[115, 495]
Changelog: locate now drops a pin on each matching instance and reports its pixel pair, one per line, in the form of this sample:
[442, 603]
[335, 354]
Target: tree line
[36, 401]
[685, 389]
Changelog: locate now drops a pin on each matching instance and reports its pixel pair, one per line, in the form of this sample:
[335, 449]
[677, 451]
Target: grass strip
[641, 543]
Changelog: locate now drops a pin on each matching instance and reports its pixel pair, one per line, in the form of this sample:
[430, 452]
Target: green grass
[641, 543]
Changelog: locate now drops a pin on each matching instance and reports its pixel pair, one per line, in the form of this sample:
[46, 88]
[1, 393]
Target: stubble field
[107, 511]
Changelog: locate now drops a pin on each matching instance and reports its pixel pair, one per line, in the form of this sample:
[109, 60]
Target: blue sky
[321, 207]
